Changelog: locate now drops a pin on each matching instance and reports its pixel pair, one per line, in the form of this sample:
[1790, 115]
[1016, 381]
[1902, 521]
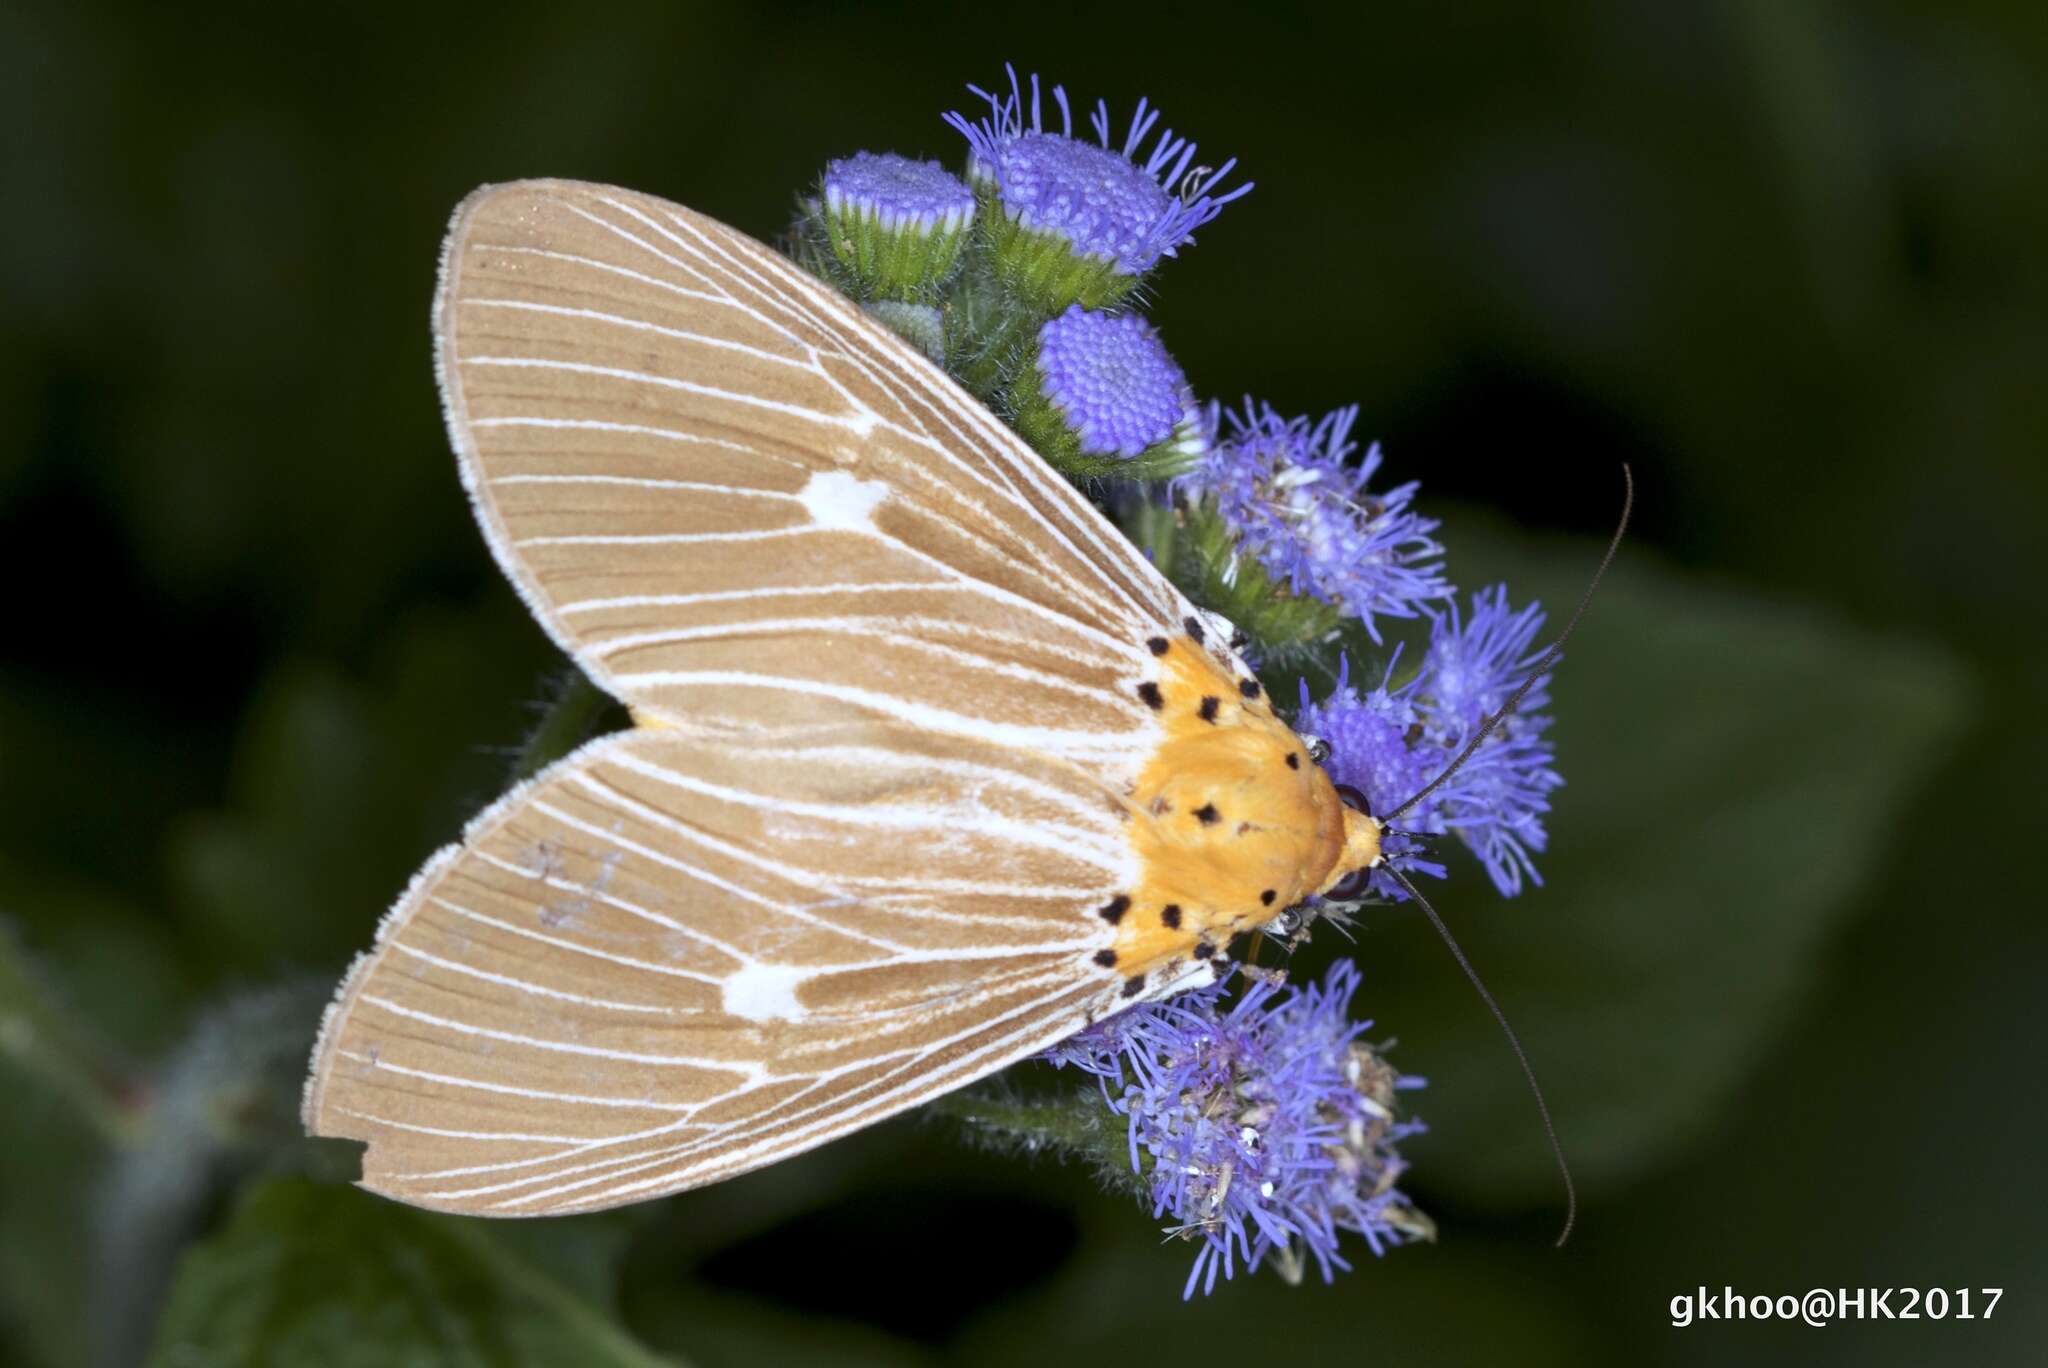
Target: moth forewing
[715, 478]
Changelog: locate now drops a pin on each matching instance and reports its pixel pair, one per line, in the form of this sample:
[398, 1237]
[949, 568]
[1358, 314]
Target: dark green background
[1784, 258]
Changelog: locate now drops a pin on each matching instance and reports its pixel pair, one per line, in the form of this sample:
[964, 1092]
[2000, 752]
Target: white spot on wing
[836, 499]
[764, 992]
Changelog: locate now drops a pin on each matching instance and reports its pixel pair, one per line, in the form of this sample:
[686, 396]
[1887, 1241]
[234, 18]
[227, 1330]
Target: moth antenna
[1571, 1194]
[1486, 728]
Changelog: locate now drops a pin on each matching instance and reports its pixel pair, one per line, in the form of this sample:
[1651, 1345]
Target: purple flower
[1287, 489]
[1262, 1128]
[1113, 389]
[1473, 665]
[1381, 745]
[1497, 801]
[1390, 743]
[1100, 199]
[898, 193]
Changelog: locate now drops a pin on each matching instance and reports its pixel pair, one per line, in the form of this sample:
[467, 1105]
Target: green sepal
[1191, 542]
[869, 262]
[1042, 270]
[990, 334]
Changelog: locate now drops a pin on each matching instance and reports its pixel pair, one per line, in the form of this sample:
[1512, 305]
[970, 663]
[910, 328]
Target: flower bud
[891, 227]
[1070, 221]
[1103, 398]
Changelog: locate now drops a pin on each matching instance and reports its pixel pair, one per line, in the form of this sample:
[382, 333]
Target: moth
[930, 766]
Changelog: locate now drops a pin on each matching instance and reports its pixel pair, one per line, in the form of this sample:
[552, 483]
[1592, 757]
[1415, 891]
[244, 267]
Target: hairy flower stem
[1069, 1122]
[989, 339]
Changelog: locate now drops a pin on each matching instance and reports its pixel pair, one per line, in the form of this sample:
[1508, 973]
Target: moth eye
[1354, 799]
[1318, 749]
[1350, 888]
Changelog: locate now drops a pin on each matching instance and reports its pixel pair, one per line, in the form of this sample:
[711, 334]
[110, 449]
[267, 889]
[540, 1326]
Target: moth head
[1362, 853]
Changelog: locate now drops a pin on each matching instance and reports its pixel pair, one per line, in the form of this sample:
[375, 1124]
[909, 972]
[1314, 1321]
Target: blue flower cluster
[1260, 1124]
[1295, 500]
[1113, 379]
[1391, 741]
[1264, 1126]
[1098, 197]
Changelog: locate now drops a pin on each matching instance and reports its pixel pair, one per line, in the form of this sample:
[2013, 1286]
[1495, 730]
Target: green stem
[996, 350]
[41, 1034]
[1156, 529]
[1073, 1122]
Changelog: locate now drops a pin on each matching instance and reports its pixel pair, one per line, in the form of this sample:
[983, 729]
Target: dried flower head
[1261, 1128]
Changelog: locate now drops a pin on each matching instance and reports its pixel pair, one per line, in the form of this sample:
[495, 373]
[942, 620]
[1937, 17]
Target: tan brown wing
[674, 957]
[713, 478]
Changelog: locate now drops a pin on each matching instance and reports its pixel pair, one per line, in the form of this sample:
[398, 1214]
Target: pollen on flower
[1261, 1128]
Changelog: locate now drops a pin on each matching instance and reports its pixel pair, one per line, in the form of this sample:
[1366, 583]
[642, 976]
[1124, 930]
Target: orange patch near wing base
[1229, 833]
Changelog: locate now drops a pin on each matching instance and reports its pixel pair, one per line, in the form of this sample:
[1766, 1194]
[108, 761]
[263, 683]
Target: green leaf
[1738, 772]
[317, 1275]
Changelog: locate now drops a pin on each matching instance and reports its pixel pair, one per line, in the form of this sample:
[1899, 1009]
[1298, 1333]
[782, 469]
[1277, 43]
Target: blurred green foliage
[1781, 982]
[306, 1273]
